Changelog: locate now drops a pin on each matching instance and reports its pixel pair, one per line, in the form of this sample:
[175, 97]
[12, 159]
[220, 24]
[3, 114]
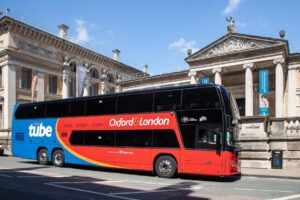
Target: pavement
[291, 173]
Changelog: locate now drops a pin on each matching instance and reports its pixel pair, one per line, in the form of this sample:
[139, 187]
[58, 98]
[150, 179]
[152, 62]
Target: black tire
[42, 157]
[166, 167]
[58, 158]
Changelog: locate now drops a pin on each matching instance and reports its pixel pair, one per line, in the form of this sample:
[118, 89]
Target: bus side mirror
[218, 141]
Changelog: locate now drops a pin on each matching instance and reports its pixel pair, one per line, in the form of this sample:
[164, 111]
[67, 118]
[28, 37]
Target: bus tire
[42, 157]
[166, 167]
[58, 158]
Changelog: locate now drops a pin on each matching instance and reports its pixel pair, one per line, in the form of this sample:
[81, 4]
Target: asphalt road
[23, 179]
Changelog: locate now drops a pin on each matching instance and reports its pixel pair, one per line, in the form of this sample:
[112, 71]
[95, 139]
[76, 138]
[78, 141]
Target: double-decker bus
[187, 129]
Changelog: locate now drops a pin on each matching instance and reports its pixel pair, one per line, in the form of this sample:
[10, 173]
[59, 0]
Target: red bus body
[222, 163]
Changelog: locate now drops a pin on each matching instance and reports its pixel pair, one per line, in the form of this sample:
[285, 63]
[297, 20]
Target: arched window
[110, 78]
[94, 73]
[73, 66]
[94, 89]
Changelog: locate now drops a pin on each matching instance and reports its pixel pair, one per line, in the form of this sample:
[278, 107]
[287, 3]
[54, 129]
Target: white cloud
[232, 6]
[183, 45]
[82, 32]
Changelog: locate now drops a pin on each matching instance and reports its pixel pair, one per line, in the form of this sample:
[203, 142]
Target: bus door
[205, 158]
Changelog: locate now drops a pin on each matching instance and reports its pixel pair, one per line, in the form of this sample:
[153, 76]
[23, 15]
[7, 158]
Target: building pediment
[235, 43]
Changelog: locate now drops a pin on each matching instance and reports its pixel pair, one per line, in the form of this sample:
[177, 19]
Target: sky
[158, 32]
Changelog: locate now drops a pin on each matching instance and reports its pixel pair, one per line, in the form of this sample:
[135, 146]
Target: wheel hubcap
[43, 156]
[58, 159]
[165, 167]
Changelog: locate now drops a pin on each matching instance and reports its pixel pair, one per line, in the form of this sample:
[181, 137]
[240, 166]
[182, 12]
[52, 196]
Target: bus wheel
[166, 167]
[58, 158]
[43, 157]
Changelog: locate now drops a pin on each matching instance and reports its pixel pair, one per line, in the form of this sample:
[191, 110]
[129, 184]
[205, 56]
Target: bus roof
[141, 91]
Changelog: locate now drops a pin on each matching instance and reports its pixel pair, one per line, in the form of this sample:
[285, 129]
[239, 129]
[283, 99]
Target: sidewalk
[272, 173]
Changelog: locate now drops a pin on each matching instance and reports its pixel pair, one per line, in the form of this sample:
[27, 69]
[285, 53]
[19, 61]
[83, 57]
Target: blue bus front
[28, 135]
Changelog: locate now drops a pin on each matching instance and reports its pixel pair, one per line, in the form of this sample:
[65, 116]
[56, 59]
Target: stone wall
[259, 136]
[5, 138]
[253, 140]
[285, 136]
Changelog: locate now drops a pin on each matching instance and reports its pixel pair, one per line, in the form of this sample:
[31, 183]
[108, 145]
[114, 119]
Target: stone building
[37, 66]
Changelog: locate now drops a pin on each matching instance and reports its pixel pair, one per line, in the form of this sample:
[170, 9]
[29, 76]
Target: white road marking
[88, 191]
[7, 176]
[41, 173]
[288, 197]
[4, 168]
[284, 191]
[156, 191]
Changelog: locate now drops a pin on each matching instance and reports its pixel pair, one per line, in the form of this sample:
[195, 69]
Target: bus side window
[167, 101]
[206, 138]
[200, 98]
[35, 111]
[100, 106]
[92, 138]
[134, 138]
[58, 109]
[135, 103]
[165, 139]
[77, 107]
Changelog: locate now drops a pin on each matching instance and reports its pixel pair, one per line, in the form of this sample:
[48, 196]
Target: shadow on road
[17, 184]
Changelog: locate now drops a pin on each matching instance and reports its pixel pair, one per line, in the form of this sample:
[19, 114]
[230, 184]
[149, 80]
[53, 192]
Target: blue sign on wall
[263, 81]
[263, 92]
[263, 111]
[205, 80]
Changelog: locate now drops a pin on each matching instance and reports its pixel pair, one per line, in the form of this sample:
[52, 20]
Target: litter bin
[277, 159]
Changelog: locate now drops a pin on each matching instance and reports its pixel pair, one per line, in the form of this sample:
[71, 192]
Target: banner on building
[33, 85]
[263, 92]
[81, 72]
[204, 80]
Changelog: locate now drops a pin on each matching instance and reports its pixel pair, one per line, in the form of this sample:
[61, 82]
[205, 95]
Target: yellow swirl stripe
[81, 156]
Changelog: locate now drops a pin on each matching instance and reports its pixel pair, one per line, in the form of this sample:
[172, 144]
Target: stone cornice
[12, 25]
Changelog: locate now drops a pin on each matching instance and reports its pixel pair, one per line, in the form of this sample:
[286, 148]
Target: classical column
[66, 80]
[193, 76]
[9, 84]
[103, 83]
[118, 84]
[217, 72]
[292, 73]
[248, 89]
[87, 85]
[279, 87]
[40, 86]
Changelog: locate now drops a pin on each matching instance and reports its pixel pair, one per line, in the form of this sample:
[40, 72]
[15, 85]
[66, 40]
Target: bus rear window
[21, 111]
